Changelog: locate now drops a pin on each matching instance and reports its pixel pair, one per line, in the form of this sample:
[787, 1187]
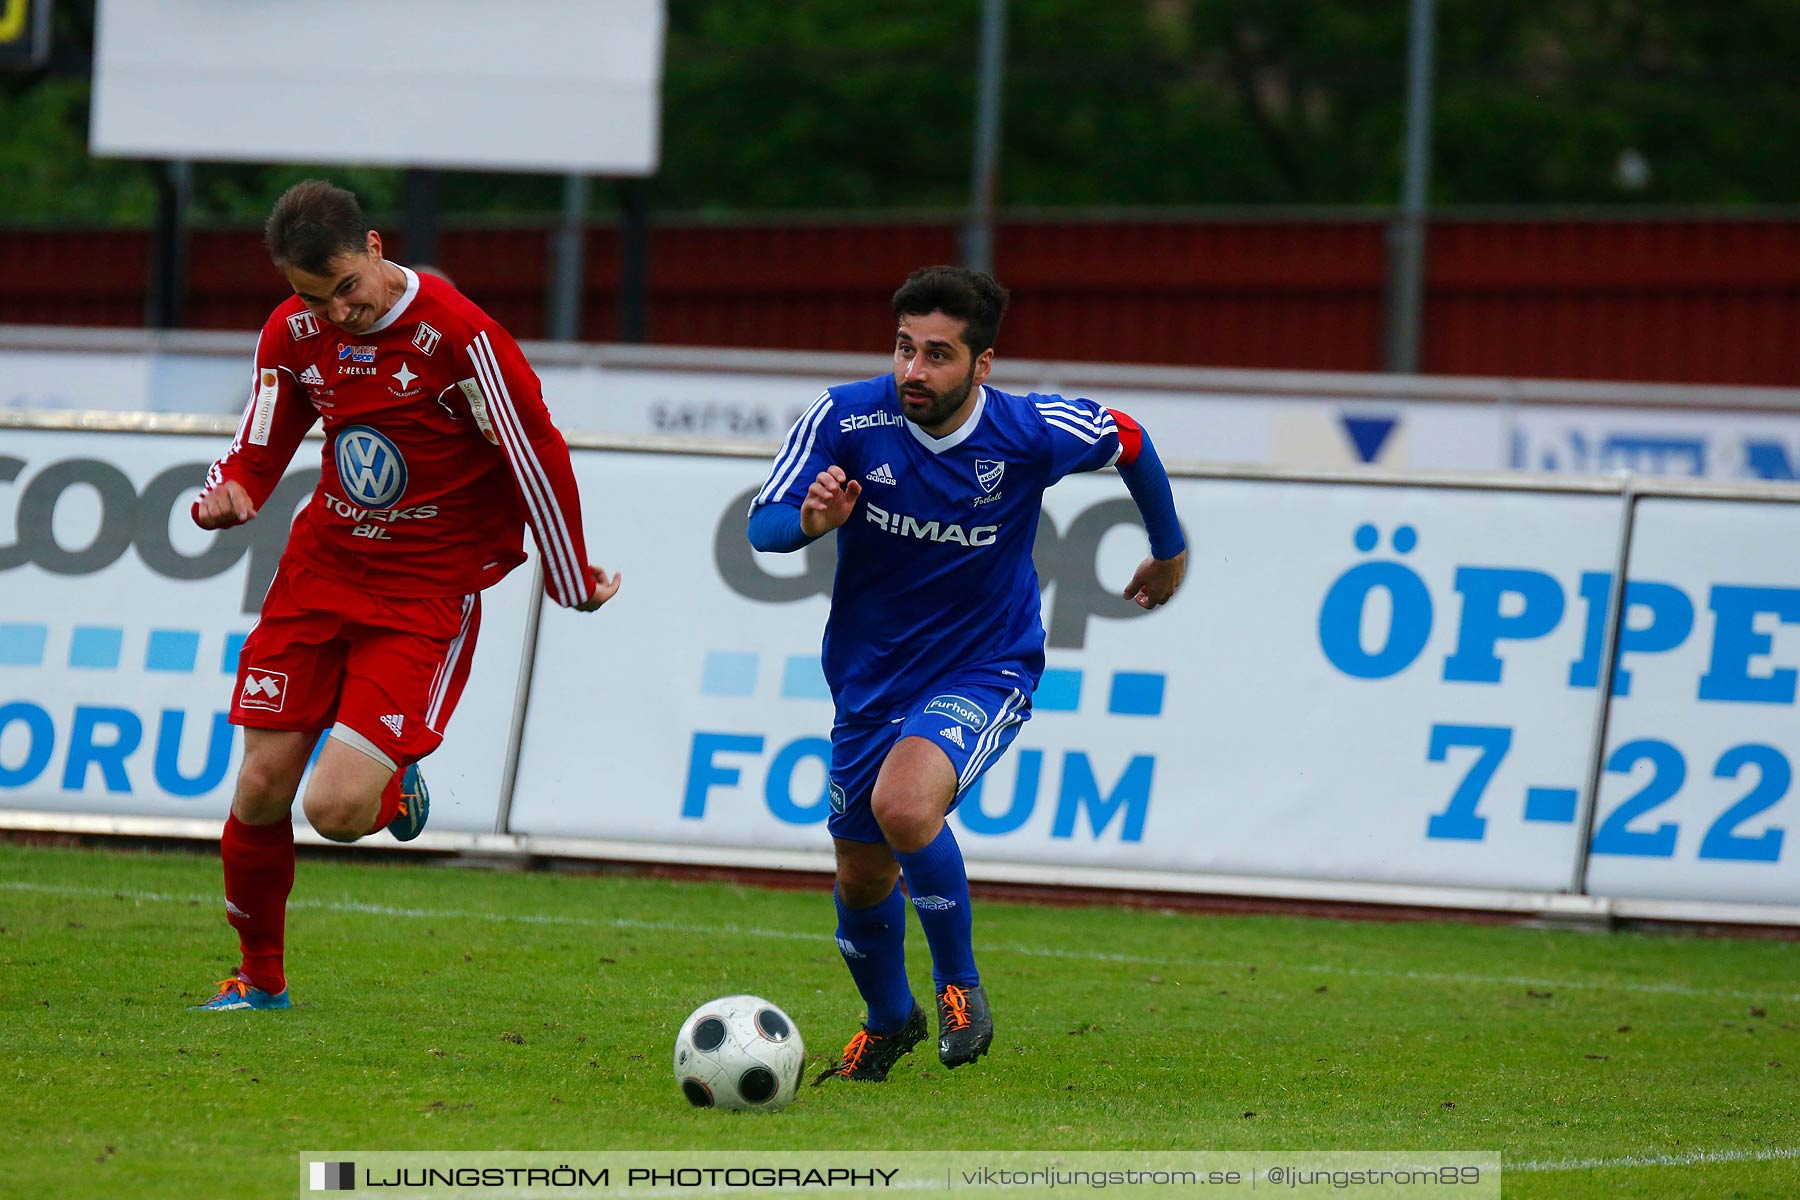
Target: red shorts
[387, 671]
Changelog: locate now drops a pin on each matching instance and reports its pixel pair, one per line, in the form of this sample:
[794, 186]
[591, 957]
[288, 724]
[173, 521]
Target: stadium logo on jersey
[988, 472]
[265, 690]
[311, 376]
[960, 709]
[302, 325]
[905, 525]
[869, 421]
[838, 801]
[370, 467]
[361, 354]
[882, 474]
[953, 735]
[425, 339]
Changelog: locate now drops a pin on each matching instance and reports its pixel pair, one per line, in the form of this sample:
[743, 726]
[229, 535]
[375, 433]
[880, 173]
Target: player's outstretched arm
[1156, 579]
[605, 588]
[223, 506]
[829, 502]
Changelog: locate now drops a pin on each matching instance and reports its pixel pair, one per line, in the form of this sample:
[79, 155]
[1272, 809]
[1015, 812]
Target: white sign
[1377, 683]
[1343, 663]
[1697, 798]
[120, 625]
[699, 395]
[554, 85]
[1720, 445]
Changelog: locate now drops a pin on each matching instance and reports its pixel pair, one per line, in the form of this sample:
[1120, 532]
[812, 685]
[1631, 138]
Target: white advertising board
[1343, 662]
[1307, 432]
[120, 625]
[554, 85]
[1696, 800]
[1701, 444]
[738, 396]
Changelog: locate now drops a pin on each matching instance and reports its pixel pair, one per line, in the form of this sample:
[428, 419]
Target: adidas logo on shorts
[953, 733]
[393, 721]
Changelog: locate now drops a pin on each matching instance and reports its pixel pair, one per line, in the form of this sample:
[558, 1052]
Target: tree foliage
[837, 106]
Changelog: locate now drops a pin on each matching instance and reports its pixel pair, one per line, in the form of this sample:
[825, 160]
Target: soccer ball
[739, 1052]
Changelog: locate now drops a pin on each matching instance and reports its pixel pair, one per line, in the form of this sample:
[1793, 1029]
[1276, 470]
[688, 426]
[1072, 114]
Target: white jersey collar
[400, 306]
[952, 440]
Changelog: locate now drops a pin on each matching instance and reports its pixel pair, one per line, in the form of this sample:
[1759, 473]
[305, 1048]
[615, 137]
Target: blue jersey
[934, 571]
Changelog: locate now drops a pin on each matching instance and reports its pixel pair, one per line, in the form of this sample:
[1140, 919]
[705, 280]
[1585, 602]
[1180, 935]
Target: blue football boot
[415, 806]
[238, 992]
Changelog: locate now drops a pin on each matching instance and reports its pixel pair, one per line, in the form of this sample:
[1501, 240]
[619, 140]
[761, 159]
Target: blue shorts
[972, 718]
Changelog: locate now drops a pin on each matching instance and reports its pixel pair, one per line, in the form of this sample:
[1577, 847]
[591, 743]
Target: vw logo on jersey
[370, 467]
[988, 472]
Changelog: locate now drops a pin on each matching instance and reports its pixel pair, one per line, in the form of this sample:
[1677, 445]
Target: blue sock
[873, 943]
[940, 893]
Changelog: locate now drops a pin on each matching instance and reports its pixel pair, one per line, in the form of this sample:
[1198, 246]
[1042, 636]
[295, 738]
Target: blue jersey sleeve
[809, 449]
[1082, 435]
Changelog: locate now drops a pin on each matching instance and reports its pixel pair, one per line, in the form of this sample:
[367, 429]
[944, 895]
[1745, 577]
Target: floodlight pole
[169, 249]
[420, 190]
[990, 80]
[1406, 235]
[634, 260]
[568, 263]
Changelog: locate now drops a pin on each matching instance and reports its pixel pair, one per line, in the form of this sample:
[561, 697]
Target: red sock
[259, 874]
[390, 803]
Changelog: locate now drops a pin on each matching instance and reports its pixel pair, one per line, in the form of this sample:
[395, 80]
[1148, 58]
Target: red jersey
[438, 449]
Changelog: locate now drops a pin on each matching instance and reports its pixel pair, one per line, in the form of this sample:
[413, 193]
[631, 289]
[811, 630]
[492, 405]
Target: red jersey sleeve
[509, 401]
[274, 422]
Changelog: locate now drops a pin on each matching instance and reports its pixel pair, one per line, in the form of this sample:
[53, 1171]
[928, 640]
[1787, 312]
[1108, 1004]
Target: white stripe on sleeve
[795, 450]
[540, 497]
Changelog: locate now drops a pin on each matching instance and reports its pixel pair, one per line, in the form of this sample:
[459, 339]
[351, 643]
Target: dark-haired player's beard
[923, 406]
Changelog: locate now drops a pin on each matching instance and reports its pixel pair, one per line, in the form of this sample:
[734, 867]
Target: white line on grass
[384, 910]
[1686, 1158]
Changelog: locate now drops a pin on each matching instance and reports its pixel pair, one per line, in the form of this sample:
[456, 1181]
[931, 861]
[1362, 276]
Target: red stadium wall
[1671, 300]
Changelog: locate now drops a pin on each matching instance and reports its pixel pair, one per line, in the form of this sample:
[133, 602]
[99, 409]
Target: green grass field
[451, 1008]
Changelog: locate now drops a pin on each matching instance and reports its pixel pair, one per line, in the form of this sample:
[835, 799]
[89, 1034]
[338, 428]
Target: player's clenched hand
[828, 502]
[1155, 580]
[223, 506]
[605, 589]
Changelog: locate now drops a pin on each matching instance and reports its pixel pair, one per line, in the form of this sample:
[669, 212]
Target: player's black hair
[975, 298]
[313, 223]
